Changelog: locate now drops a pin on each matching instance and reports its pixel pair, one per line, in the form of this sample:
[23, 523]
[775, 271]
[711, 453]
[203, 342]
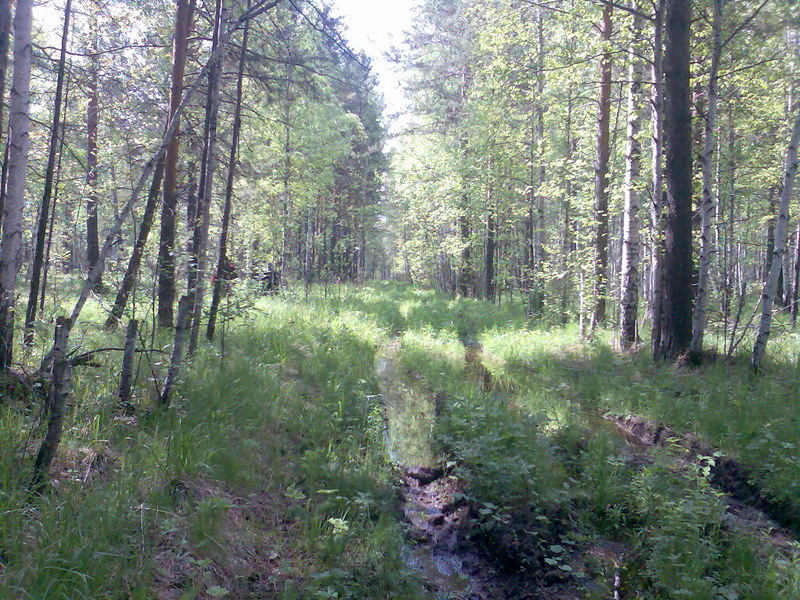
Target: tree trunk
[629, 302]
[568, 241]
[540, 224]
[222, 263]
[19, 144]
[132, 271]
[730, 258]
[286, 176]
[707, 206]
[602, 156]
[769, 252]
[169, 206]
[5, 37]
[56, 186]
[126, 373]
[199, 256]
[465, 269]
[796, 287]
[92, 118]
[677, 325]
[491, 235]
[776, 265]
[57, 395]
[657, 200]
[44, 212]
[176, 358]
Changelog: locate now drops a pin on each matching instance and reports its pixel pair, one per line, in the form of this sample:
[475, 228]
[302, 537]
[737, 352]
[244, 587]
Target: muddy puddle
[442, 545]
[433, 506]
[455, 565]
[409, 416]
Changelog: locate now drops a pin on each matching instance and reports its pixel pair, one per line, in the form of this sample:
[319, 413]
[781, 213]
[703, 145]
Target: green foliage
[282, 446]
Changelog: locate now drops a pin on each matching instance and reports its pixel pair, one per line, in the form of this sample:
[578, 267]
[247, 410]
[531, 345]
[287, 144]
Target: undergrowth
[268, 477]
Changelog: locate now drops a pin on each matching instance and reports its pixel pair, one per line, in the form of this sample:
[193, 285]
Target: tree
[19, 144]
[677, 323]
[166, 172]
[603, 155]
[44, 211]
[707, 203]
[202, 216]
[657, 187]
[222, 273]
[92, 122]
[5, 36]
[779, 249]
[629, 301]
[169, 206]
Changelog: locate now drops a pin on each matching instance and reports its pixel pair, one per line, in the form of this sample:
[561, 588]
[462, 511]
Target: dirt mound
[727, 474]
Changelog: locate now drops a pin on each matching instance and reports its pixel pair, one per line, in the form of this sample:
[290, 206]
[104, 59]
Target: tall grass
[268, 477]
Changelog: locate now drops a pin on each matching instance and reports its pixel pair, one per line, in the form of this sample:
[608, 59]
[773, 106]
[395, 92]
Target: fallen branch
[84, 358]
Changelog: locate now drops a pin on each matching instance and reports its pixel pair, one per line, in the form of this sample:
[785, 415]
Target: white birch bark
[781, 226]
[708, 202]
[540, 224]
[19, 144]
[629, 301]
[657, 198]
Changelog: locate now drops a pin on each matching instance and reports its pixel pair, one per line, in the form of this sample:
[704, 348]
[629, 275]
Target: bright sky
[375, 26]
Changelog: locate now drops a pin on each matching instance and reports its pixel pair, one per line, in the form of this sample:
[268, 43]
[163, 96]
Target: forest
[267, 334]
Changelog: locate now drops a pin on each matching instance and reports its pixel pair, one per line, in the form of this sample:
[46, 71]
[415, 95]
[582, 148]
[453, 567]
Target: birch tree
[19, 144]
[657, 186]
[602, 158]
[707, 203]
[779, 249]
[5, 39]
[629, 302]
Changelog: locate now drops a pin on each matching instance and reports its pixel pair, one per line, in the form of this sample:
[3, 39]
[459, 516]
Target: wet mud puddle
[433, 506]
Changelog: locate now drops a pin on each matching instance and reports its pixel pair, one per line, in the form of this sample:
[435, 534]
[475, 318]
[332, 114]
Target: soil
[462, 554]
[437, 517]
[750, 508]
[461, 558]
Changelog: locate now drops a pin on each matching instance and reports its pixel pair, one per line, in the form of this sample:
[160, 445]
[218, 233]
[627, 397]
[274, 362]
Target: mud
[437, 517]
[460, 552]
[750, 508]
[434, 509]
[476, 370]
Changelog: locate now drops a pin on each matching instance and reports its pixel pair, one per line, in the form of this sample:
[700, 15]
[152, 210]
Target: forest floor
[387, 442]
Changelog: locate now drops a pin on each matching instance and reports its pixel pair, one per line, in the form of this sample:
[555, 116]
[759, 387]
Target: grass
[269, 479]
[279, 447]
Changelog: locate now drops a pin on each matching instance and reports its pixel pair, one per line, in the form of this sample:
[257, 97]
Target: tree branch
[744, 24]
